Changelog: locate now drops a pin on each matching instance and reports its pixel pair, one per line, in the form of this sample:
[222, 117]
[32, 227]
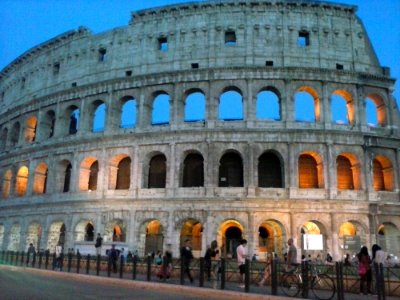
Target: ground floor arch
[56, 236]
[192, 230]
[114, 231]
[14, 238]
[271, 238]
[152, 236]
[229, 235]
[313, 239]
[389, 238]
[84, 231]
[34, 235]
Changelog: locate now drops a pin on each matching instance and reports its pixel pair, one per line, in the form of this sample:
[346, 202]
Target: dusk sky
[27, 23]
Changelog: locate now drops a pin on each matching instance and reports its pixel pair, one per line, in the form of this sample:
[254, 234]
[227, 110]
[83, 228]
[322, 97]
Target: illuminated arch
[30, 129]
[383, 174]
[88, 174]
[153, 236]
[230, 233]
[115, 231]
[40, 179]
[271, 237]
[119, 172]
[21, 183]
[191, 230]
[7, 180]
[307, 105]
[348, 172]
[376, 114]
[342, 107]
[310, 170]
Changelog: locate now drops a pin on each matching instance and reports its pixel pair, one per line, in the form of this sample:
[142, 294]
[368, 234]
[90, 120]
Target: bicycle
[322, 285]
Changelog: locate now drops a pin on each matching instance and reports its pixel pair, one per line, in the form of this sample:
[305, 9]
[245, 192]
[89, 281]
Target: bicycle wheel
[323, 287]
[290, 285]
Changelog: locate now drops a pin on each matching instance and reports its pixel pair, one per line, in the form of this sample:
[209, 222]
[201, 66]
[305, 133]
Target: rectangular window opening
[230, 38]
[269, 63]
[74, 84]
[128, 73]
[339, 67]
[195, 65]
[23, 83]
[163, 44]
[303, 40]
[56, 68]
[102, 54]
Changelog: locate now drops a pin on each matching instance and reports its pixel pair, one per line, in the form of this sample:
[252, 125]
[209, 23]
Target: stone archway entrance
[389, 238]
[271, 237]
[34, 236]
[56, 235]
[154, 237]
[349, 238]
[192, 230]
[230, 234]
[313, 239]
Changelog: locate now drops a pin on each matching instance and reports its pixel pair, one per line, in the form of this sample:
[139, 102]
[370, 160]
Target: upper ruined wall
[195, 33]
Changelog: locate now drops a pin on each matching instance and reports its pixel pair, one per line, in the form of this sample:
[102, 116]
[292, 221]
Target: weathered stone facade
[147, 185]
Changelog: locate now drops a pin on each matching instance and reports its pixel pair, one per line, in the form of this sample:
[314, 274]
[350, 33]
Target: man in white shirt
[241, 253]
[291, 256]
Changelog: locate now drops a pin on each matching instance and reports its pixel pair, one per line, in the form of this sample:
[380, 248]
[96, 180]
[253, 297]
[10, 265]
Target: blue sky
[26, 23]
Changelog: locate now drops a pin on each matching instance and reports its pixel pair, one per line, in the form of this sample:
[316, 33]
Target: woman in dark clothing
[364, 270]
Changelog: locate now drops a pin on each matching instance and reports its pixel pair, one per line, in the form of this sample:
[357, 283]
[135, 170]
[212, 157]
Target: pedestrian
[207, 262]
[98, 244]
[113, 257]
[347, 261]
[215, 263]
[329, 259]
[267, 270]
[158, 258]
[59, 256]
[291, 261]
[166, 266]
[241, 254]
[378, 255]
[186, 257]
[31, 252]
[364, 271]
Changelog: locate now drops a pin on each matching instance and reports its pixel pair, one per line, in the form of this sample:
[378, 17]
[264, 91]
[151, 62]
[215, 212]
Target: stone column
[326, 111]
[360, 104]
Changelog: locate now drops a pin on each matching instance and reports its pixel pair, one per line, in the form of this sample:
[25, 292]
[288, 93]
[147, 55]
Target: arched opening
[88, 174]
[30, 129]
[6, 188]
[268, 105]
[271, 237]
[383, 175]
[160, 110]
[40, 179]
[128, 112]
[389, 238]
[124, 174]
[157, 172]
[230, 105]
[310, 171]
[348, 172]
[192, 230]
[375, 109]
[73, 114]
[84, 231]
[350, 241]
[14, 135]
[195, 107]
[342, 107]
[3, 138]
[89, 232]
[47, 125]
[21, 183]
[230, 170]
[307, 105]
[67, 178]
[193, 170]
[56, 236]
[270, 171]
[313, 238]
[232, 233]
[115, 231]
[34, 235]
[14, 238]
[99, 116]
[154, 237]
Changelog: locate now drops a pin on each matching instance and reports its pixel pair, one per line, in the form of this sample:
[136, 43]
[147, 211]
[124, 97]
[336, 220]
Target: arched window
[375, 111]
[383, 176]
[89, 232]
[268, 106]
[94, 170]
[160, 112]
[128, 113]
[40, 179]
[47, 124]
[270, 171]
[6, 189]
[193, 170]
[195, 106]
[21, 182]
[3, 138]
[67, 178]
[344, 173]
[30, 129]
[230, 170]
[308, 172]
[99, 116]
[306, 105]
[74, 114]
[157, 172]
[230, 105]
[342, 107]
[124, 174]
[14, 136]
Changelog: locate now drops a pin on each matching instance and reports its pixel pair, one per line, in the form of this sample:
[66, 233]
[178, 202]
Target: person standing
[291, 261]
[59, 256]
[98, 244]
[31, 252]
[241, 254]
[215, 263]
[186, 256]
[113, 257]
[364, 270]
[267, 270]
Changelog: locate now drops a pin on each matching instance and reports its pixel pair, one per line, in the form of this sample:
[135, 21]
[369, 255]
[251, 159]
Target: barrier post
[201, 275]
[247, 275]
[223, 268]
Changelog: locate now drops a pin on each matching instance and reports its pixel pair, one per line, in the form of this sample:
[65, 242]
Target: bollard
[274, 276]
[148, 268]
[40, 259]
[61, 261]
[98, 265]
[87, 263]
[382, 281]
[69, 262]
[201, 275]
[12, 258]
[16, 259]
[247, 276]
[33, 259]
[223, 273]
[46, 262]
[54, 261]
[182, 281]
[121, 266]
[134, 266]
[339, 280]
[78, 262]
[22, 258]
[304, 273]
[109, 267]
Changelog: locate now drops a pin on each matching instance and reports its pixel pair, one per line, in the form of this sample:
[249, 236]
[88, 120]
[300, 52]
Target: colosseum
[214, 120]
